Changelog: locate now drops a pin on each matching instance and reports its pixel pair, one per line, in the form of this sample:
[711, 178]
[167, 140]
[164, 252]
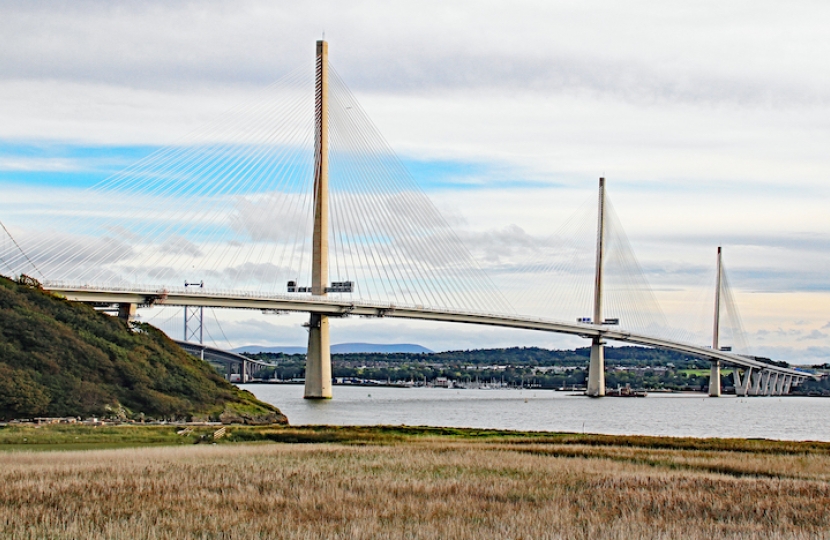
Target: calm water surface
[693, 415]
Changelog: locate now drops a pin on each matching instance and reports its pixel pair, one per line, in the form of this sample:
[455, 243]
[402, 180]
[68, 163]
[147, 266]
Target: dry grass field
[420, 487]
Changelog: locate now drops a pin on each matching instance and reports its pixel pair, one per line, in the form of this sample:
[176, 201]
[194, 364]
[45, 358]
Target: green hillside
[62, 358]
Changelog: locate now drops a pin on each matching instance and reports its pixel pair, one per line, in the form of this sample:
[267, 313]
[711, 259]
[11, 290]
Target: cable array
[628, 294]
[231, 204]
[225, 201]
[10, 246]
[733, 329]
[387, 236]
[558, 283]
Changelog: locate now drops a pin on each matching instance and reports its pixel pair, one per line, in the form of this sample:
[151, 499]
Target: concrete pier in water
[318, 356]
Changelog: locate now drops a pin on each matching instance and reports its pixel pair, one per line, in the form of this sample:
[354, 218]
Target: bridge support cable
[629, 296]
[221, 330]
[188, 204]
[364, 208]
[564, 284]
[389, 219]
[734, 327]
[557, 284]
[232, 201]
[4, 254]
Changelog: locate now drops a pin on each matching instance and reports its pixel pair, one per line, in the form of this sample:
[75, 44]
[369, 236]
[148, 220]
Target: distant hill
[285, 349]
[342, 348]
[60, 358]
[347, 348]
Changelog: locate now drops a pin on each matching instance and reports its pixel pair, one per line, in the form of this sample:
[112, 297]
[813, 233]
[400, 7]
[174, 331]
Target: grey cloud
[813, 241]
[179, 245]
[258, 330]
[59, 255]
[798, 356]
[272, 217]
[815, 334]
[158, 44]
[256, 273]
[496, 245]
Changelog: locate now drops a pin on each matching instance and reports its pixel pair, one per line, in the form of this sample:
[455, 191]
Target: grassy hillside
[61, 358]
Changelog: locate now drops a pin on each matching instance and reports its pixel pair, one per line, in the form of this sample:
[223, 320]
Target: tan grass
[429, 488]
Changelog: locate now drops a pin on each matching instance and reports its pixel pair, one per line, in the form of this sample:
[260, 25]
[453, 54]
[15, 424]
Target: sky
[710, 120]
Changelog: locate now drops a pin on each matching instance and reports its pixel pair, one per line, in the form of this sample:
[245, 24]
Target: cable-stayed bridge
[296, 203]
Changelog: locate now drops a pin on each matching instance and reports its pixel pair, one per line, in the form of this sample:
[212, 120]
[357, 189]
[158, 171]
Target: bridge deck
[340, 307]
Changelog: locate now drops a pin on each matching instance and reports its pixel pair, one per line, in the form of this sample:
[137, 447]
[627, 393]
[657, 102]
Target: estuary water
[684, 415]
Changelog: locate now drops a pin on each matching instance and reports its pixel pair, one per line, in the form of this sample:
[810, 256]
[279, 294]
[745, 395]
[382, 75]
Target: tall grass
[427, 487]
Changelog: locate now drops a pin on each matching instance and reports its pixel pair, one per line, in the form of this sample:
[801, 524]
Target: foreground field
[411, 483]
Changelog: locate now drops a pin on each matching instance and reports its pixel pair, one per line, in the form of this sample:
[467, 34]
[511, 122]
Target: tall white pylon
[596, 368]
[714, 374]
[318, 355]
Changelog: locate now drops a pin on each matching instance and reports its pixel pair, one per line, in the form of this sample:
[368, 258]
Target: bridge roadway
[247, 366]
[341, 308]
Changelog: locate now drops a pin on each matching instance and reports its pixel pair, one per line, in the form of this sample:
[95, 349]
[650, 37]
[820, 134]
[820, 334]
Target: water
[686, 415]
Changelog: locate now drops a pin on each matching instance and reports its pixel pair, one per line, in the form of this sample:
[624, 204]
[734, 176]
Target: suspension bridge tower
[714, 375]
[596, 367]
[318, 356]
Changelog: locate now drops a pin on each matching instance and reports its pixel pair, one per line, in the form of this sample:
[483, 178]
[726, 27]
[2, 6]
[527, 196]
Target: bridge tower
[596, 369]
[318, 356]
[194, 319]
[714, 375]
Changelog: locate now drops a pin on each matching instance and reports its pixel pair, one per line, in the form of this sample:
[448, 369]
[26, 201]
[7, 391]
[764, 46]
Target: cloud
[811, 355]
[179, 245]
[710, 133]
[535, 45]
[814, 334]
[39, 164]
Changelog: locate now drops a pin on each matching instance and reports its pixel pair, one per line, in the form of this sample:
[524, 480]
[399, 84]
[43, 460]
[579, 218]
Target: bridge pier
[742, 386]
[765, 383]
[714, 373]
[318, 359]
[714, 379]
[318, 354]
[596, 367]
[779, 389]
[126, 312]
[757, 379]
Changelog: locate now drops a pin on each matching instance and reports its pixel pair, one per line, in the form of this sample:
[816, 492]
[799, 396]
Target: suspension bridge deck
[342, 308]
